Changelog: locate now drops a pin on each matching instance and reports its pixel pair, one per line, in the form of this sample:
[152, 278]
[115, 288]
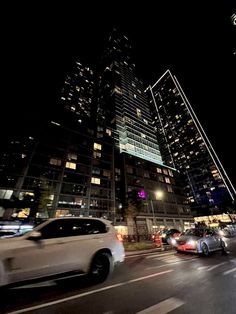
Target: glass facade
[185, 146]
[124, 104]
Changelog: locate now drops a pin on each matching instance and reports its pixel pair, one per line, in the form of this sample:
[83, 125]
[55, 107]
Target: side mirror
[35, 235]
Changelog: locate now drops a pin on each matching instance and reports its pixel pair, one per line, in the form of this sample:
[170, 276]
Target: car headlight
[192, 243]
[173, 242]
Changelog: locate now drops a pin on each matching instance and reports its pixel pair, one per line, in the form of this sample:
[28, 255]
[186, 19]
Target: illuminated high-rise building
[123, 107]
[185, 146]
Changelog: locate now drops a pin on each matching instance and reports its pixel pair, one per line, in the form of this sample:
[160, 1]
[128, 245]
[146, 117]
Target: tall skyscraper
[124, 103]
[186, 147]
[124, 108]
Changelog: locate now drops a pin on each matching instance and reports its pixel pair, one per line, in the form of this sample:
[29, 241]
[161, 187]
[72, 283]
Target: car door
[212, 239]
[42, 257]
[86, 237]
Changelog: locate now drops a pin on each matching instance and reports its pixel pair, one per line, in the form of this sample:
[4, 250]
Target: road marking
[202, 267]
[229, 271]
[160, 254]
[145, 254]
[215, 266]
[77, 296]
[163, 307]
[169, 264]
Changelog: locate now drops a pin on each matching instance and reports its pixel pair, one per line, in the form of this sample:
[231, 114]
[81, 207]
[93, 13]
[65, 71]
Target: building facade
[67, 168]
[186, 147]
[139, 167]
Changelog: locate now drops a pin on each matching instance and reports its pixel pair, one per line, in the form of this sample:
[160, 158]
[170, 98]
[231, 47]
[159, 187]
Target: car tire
[101, 267]
[205, 250]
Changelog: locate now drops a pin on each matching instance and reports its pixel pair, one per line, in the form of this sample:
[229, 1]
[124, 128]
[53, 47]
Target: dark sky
[193, 39]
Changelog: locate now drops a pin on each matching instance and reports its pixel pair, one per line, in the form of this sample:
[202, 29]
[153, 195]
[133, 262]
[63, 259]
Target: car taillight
[119, 237]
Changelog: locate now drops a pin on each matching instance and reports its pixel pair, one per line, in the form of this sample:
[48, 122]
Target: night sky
[195, 41]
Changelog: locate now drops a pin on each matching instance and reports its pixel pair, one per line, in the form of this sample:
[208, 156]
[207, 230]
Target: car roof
[80, 218]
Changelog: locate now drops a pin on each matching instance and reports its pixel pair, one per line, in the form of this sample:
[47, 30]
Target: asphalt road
[161, 282]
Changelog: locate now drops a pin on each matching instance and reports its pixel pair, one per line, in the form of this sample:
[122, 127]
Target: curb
[157, 250]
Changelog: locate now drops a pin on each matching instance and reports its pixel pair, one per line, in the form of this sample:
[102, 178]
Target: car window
[210, 232]
[95, 227]
[72, 227]
[194, 232]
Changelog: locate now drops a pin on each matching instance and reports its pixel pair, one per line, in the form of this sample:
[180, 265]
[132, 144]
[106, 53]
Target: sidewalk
[156, 250]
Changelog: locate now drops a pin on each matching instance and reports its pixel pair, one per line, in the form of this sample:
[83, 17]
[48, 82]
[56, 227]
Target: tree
[41, 198]
[133, 209]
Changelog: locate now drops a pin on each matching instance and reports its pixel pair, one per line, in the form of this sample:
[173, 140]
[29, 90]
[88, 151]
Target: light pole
[158, 196]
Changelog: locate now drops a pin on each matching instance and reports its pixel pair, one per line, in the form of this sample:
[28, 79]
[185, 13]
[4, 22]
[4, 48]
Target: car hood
[186, 238]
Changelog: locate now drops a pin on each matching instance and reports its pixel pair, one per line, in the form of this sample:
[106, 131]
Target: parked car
[61, 245]
[10, 229]
[201, 241]
[165, 236]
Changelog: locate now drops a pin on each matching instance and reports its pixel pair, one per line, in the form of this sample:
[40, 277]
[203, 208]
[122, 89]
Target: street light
[158, 196]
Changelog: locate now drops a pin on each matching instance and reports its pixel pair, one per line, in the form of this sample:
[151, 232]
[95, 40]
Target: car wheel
[101, 267]
[205, 250]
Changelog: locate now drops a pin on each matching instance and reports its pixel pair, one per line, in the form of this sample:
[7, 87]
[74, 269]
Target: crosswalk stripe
[163, 307]
[159, 255]
[229, 271]
[215, 266]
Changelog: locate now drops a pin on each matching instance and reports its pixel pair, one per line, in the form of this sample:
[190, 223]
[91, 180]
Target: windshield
[194, 232]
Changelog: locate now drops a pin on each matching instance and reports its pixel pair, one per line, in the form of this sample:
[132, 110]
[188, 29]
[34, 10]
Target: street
[157, 282]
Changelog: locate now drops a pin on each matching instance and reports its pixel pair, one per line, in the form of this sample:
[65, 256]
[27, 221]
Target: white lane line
[229, 271]
[163, 307]
[215, 266]
[77, 296]
[159, 255]
[202, 267]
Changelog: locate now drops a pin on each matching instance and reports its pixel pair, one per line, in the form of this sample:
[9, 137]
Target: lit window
[97, 146]
[55, 162]
[165, 172]
[95, 180]
[138, 112]
[159, 170]
[135, 96]
[167, 180]
[97, 155]
[170, 172]
[108, 131]
[70, 165]
[72, 156]
[6, 194]
[118, 90]
[145, 121]
[143, 135]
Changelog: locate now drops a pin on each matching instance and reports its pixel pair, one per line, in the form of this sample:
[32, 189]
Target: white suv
[61, 245]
